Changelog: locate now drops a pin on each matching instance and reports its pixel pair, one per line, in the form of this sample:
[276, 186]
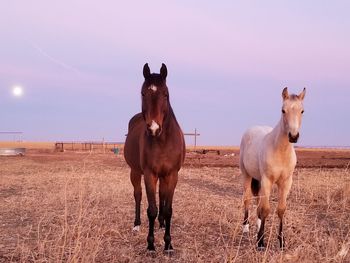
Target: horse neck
[170, 120]
[168, 125]
[280, 138]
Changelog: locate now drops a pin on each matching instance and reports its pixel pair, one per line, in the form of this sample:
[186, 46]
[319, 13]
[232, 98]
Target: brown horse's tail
[255, 186]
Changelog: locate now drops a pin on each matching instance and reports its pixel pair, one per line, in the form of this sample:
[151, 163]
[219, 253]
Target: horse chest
[160, 162]
[277, 165]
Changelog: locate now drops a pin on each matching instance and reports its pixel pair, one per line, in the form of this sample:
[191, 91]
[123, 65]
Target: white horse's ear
[302, 94]
[285, 94]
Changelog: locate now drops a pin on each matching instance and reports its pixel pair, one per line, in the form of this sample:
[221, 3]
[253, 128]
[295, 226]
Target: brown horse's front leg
[168, 183]
[161, 218]
[152, 210]
[135, 178]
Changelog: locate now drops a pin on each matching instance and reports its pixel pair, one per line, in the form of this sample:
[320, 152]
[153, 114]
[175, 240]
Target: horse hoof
[151, 253]
[283, 246]
[260, 248]
[169, 252]
[151, 248]
[246, 228]
[168, 247]
[136, 229]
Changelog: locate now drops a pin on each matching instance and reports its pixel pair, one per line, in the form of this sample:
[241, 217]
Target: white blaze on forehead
[152, 87]
[294, 105]
[154, 127]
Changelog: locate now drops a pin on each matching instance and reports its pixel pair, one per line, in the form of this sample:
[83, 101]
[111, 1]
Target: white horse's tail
[255, 186]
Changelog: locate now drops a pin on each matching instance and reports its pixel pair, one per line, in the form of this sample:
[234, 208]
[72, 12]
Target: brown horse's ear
[146, 71]
[285, 94]
[163, 71]
[302, 94]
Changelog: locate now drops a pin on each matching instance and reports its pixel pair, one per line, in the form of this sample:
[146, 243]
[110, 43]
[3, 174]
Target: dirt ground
[307, 158]
[79, 207]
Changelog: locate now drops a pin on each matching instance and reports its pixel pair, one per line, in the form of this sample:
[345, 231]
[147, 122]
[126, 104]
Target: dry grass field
[28, 145]
[79, 207]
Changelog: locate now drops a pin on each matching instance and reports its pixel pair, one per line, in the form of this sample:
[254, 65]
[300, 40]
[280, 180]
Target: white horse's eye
[302, 111]
[283, 111]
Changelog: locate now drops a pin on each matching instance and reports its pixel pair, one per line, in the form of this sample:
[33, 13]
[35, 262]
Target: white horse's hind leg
[247, 197]
[263, 208]
[283, 190]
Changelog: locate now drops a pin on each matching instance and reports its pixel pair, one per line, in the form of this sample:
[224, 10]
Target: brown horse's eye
[283, 111]
[302, 111]
[142, 94]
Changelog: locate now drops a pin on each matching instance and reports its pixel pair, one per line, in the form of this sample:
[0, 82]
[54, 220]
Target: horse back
[132, 143]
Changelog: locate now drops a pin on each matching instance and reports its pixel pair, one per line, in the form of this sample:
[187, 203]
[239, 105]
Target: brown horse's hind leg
[168, 183]
[283, 190]
[263, 209]
[152, 210]
[135, 178]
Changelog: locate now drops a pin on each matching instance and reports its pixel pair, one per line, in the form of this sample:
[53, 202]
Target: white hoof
[258, 223]
[246, 228]
[136, 229]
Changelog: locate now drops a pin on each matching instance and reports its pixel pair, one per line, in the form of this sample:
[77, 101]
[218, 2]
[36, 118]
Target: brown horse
[155, 147]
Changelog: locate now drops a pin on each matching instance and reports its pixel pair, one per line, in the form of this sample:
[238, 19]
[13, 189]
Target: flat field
[79, 207]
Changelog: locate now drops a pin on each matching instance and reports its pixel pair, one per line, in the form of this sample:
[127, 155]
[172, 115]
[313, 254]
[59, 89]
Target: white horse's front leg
[283, 190]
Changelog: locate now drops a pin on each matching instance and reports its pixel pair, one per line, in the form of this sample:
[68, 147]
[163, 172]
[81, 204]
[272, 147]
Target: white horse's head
[292, 111]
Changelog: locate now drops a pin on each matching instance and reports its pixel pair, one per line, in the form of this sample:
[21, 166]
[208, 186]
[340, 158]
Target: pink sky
[80, 63]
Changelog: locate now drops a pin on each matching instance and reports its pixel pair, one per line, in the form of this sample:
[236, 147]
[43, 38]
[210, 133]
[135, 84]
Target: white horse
[267, 156]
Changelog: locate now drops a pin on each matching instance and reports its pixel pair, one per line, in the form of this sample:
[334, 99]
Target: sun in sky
[17, 91]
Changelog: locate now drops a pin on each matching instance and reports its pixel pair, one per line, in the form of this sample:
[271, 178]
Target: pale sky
[80, 66]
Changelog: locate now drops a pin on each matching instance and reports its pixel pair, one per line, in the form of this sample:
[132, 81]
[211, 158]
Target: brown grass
[76, 207]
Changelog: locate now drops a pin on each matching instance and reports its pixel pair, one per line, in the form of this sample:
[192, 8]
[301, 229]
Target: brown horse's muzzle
[154, 128]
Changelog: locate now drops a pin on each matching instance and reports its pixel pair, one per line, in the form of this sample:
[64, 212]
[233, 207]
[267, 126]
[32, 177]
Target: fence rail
[195, 134]
[86, 146]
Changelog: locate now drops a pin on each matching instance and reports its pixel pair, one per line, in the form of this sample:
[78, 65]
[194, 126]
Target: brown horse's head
[155, 99]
